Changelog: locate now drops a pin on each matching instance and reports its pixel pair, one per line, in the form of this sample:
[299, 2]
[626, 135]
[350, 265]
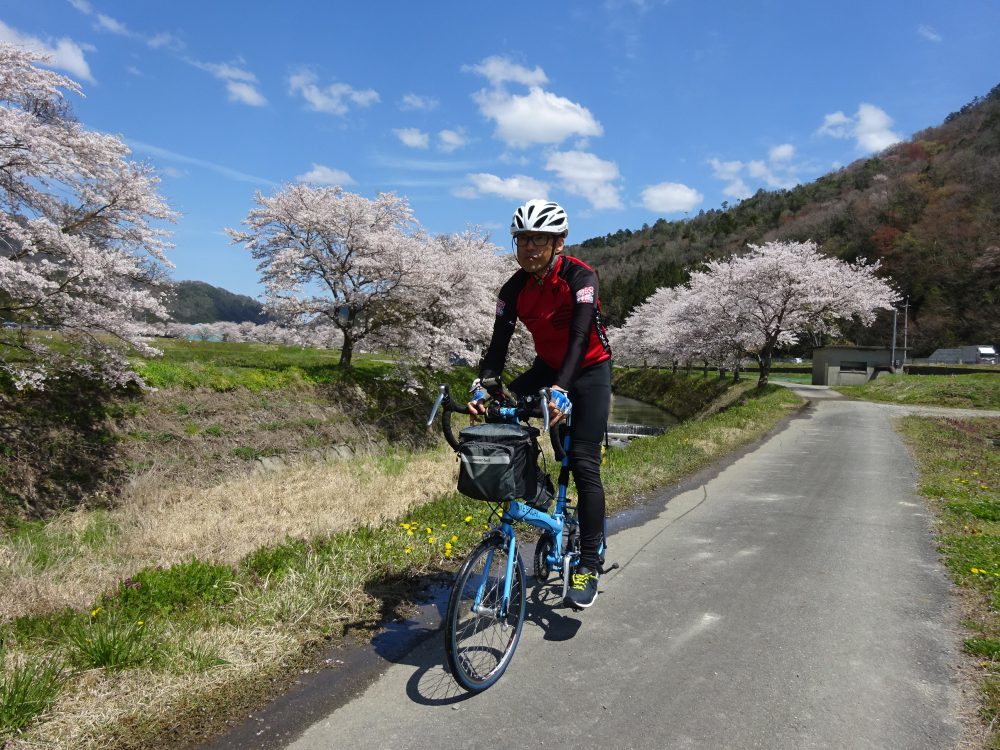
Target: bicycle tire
[543, 548]
[480, 645]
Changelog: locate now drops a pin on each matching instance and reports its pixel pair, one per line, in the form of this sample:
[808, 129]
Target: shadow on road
[431, 684]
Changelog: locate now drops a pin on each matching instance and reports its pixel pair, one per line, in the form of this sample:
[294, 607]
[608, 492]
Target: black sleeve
[503, 327]
[583, 287]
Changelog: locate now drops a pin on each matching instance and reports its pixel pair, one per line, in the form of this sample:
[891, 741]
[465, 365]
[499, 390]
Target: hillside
[928, 208]
[198, 302]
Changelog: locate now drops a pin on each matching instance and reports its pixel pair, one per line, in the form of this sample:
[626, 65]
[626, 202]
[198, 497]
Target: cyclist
[555, 297]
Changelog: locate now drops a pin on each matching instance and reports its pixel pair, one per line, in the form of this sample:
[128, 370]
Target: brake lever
[544, 394]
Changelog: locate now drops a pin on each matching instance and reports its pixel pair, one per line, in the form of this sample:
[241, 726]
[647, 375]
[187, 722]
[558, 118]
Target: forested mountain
[198, 302]
[928, 208]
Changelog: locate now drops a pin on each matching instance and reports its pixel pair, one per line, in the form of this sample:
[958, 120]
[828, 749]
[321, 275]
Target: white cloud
[107, 23]
[412, 137]
[730, 172]
[784, 152]
[240, 91]
[418, 102]
[240, 83]
[451, 140]
[113, 25]
[173, 172]
[588, 176]
[335, 99]
[323, 175]
[671, 198]
[63, 54]
[836, 125]
[871, 128]
[928, 33]
[779, 171]
[518, 188]
[500, 70]
[162, 153]
[538, 117]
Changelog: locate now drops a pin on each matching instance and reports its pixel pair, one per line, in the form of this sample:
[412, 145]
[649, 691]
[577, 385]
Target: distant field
[225, 366]
[976, 391]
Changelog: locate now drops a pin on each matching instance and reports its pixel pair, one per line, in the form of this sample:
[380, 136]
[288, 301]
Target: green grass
[27, 690]
[974, 391]
[959, 469]
[255, 367]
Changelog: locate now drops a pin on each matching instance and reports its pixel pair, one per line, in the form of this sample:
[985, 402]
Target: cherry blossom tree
[332, 258]
[80, 249]
[754, 304]
[454, 288]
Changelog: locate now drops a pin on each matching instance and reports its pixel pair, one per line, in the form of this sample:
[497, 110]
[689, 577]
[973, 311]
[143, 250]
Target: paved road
[794, 600]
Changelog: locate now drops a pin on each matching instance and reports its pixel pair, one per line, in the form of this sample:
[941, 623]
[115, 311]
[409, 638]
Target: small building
[849, 365]
[977, 354]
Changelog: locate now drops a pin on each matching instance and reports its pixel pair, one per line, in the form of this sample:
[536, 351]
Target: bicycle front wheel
[480, 632]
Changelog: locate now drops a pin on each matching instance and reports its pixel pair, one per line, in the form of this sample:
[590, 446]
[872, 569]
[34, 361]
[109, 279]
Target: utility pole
[895, 314]
[906, 318]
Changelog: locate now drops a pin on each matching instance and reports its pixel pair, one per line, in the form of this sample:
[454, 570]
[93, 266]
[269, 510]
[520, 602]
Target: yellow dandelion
[444, 526]
[468, 519]
[409, 532]
[408, 550]
[429, 530]
[430, 540]
[95, 612]
[140, 622]
[974, 570]
[454, 537]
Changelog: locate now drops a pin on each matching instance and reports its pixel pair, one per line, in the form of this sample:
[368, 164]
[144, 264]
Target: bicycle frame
[554, 524]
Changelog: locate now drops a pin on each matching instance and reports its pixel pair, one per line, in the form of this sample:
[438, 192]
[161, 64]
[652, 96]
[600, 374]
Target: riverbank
[197, 619]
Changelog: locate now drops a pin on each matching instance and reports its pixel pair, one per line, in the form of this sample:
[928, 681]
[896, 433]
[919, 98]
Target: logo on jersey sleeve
[585, 295]
[501, 306]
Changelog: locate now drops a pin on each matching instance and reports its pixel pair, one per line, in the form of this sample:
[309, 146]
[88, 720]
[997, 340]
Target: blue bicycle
[498, 464]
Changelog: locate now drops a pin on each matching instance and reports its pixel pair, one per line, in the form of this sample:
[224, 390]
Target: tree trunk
[345, 353]
[736, 374]
[765, 369]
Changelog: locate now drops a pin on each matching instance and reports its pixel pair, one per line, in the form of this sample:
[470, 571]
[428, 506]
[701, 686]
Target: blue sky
[624, 111]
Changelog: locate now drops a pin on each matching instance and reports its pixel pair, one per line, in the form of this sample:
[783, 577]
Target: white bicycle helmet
[540, 216]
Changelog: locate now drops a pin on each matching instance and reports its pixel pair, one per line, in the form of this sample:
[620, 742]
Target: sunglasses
[537, 240]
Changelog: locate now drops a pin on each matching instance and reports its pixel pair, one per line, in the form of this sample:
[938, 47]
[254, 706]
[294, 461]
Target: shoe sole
[577, 605]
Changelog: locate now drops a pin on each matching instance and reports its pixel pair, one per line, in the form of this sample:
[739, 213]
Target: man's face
[535, 249]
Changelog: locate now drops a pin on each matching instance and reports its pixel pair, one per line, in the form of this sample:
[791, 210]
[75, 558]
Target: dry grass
[96, 701]
[162, 523]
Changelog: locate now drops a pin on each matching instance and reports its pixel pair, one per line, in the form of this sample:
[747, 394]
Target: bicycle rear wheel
[480, 639]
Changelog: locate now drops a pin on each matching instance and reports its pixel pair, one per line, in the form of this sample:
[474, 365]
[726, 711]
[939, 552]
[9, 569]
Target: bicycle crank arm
[602, 570]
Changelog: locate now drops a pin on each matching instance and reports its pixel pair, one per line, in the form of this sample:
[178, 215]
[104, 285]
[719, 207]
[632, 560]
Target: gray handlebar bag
[499, 462]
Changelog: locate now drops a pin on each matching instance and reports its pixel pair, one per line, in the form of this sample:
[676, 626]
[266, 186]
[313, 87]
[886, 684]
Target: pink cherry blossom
[81, 241]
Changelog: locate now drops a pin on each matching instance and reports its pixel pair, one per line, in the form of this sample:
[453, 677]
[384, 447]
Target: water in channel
[626, 410]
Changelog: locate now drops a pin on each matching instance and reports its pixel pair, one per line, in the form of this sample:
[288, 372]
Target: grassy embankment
[974, 391]
[195, 595]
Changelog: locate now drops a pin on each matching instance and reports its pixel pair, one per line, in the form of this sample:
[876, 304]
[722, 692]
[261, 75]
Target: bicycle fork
[499, 612]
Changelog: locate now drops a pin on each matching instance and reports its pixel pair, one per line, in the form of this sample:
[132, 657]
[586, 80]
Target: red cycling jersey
[563, 314]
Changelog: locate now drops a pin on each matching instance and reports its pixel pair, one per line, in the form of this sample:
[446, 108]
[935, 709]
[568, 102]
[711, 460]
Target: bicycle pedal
[602, 570]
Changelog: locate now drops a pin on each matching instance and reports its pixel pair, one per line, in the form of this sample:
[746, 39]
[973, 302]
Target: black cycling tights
[591, 398]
